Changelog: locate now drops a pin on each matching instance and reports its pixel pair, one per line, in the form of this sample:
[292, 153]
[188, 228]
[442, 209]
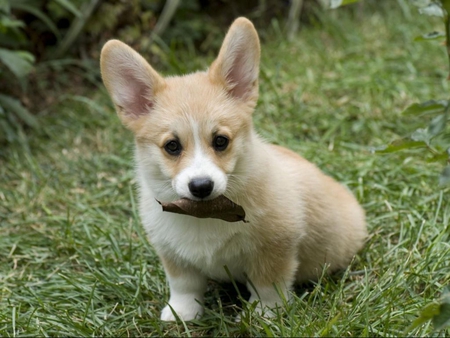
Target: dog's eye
[173, 147]
[220, 143]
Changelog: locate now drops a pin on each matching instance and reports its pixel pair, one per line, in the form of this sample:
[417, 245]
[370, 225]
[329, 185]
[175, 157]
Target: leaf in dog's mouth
[220, 207]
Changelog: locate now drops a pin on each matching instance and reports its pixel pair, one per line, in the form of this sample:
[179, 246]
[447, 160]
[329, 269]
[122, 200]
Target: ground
[73, 256]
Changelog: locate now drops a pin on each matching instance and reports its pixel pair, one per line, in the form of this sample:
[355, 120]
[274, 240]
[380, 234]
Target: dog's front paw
[185, 312]
[257, 310]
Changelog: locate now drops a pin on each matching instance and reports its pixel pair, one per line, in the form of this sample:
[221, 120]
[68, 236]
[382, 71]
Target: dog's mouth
[220, 208]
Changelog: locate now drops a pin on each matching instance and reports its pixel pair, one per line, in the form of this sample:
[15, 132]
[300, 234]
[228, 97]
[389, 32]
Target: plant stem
[446, 6]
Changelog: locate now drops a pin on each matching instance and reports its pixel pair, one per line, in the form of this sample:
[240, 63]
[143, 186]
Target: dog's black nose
[201, 187]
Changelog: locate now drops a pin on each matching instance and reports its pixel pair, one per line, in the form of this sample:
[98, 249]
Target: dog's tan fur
[299, 218]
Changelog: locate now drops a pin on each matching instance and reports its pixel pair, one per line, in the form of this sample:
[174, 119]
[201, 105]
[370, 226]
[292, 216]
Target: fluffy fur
[299, 218]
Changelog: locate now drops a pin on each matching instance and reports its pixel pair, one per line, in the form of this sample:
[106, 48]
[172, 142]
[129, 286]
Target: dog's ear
[237, 66]
[131, 82]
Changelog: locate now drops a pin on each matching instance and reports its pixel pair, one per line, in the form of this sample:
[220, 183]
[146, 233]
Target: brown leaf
[220, 207]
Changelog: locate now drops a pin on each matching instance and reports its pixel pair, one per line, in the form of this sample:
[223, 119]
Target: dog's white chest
[208, 244]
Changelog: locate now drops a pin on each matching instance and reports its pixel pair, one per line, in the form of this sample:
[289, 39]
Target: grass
[74, 259]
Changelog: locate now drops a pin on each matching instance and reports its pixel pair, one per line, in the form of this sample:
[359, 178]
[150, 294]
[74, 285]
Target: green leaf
[8, 132]
[433, 9]
[266, 330]
[76, 27]
[14, 106]
[6, 22]
[326, 331]
[442, 320]
[446, 5]
[22, 5]
[437, 125]
[444, 179]
[428, 107]
[439, 157]
[18, 62]
[4, 7]
[430, 36]
[427, 313]
[69, 6]
[398, 145]
[421, 134]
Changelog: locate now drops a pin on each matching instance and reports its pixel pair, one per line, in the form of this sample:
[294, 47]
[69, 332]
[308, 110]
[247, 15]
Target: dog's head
[191, 131]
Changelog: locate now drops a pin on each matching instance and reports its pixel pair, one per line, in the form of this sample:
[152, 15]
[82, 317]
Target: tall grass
[74, 259]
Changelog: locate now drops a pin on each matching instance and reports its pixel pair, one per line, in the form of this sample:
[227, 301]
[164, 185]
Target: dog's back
[335, 221]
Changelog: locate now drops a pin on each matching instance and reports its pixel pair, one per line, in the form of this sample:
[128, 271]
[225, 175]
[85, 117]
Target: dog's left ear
[237, 66]
[131, 82]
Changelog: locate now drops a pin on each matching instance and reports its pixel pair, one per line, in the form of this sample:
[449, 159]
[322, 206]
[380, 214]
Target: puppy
[195, 139]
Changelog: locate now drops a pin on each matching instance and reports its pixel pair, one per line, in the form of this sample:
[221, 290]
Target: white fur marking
[200, 167]
[186, 292]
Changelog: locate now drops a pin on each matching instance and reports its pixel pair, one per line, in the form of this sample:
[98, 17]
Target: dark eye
[220, 143]
[173, 147]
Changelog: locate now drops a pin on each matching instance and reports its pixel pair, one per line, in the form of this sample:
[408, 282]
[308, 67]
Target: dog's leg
[187, 287]
[269, 297]
[271, 290]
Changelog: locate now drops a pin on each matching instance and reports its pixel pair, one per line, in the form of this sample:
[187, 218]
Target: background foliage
[50, 45]
[434, 138]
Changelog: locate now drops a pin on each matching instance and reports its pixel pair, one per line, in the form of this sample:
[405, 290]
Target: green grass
[73, 256]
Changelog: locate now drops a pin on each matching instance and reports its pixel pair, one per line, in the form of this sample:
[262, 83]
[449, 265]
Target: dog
[194, 139]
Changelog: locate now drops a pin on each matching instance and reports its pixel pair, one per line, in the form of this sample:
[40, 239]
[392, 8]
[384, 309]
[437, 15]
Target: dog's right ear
[237, 65]
[131, 82]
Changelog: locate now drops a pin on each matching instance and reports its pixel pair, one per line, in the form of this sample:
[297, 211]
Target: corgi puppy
[195, 139]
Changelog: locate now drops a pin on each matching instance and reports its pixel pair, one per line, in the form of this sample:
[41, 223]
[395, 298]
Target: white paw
[185, 312]
[266, 312]
[260, 311]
